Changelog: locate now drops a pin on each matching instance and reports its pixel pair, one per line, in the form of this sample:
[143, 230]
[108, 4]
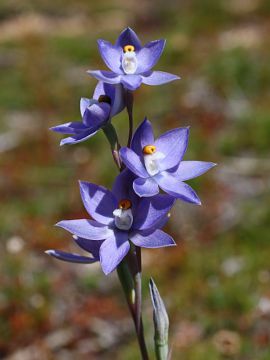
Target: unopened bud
[161, 322]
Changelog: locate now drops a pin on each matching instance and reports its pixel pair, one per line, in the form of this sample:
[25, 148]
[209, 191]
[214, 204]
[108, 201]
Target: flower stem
[129, 270]
[130, 277]
[136, 263]
[112, 137]
[129, 103]
[127, 283]
[138, 304]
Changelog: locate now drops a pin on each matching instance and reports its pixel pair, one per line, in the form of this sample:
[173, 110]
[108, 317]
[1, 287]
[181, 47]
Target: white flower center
[151, 162]
[129, 62]
[123, 218]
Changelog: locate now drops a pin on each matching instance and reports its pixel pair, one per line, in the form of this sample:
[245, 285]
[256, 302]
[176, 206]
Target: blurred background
[216, 282]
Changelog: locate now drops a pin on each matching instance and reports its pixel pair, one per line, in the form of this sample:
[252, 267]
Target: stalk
[128, 280]
[112, 137]
[129, 102]
[137, 268]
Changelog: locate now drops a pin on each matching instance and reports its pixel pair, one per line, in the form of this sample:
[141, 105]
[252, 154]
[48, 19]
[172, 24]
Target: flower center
[151, 159]
[123, 217]
[105, 98]
[129, 59]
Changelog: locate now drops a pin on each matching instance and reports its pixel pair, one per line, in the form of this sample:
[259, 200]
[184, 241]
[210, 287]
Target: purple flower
[130, 62]
[107, 101]
[119, 216]
[158, 163]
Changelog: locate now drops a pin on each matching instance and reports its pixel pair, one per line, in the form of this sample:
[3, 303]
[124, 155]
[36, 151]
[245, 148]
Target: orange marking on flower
[149, 149]
[128, 48]
[124, 204]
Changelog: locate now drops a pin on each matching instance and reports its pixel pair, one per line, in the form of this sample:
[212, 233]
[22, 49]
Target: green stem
[138, 302]
[129, 102]
[130, 280]
[112, 137]
[127, 283]
[161, 351]
[129, 270]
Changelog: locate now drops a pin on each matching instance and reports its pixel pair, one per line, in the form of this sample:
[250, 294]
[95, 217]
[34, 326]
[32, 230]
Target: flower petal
[128, 37]
[113, 250]
[75, 127]
[96, 115]
[131, 82]
[106, 76]
[173, 145]
[75, 139]
[148, 55]
[69, 257]
[98, 201]
[84, 103]
[145, 187]
[91, 246]
[156, 239]
[150, 211]
[158, 78]
[87, 229]
[191, 169]
[133, 162]
[122, 187]
[176, 188]
[111, 55]
[115, 93]
[143, 136]
[163, 221]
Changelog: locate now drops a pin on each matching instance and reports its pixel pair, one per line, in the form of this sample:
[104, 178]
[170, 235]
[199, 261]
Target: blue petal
[133, 162]
[91, 246]
[145, 187]
[78, 138]
[74, 258]
[128, 37]
[156, 239]
[150, 211]
[106, 76]
[180, 190]
[96, 115]
[86, 229]
[158, 78]
[84, 103]
[149, 55]
[111, 55]
[75, 127]
[115, 93]
[122, 187]
[143, 136]
[113, 250]
[131, 82]
[191, 169]
[98, 201]
[172, 144]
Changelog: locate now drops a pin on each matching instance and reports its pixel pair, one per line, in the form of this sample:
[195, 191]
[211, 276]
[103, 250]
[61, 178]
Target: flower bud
[161, 323]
